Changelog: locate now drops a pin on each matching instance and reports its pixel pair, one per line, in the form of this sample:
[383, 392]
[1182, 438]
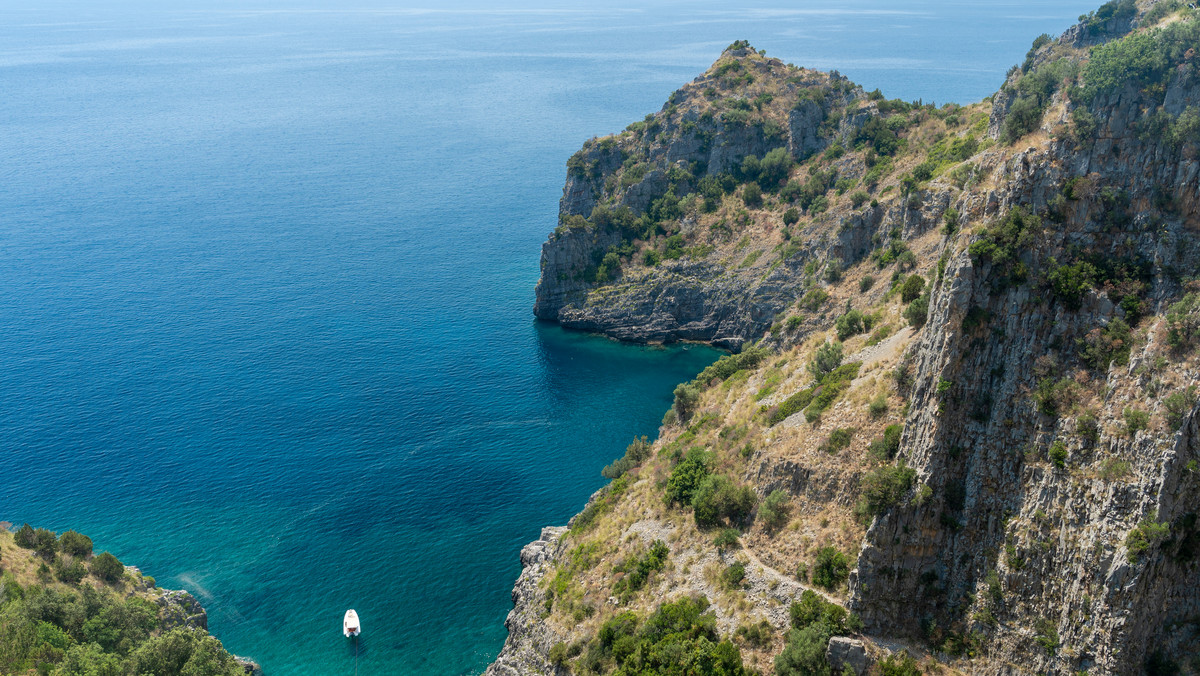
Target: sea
[267, 272]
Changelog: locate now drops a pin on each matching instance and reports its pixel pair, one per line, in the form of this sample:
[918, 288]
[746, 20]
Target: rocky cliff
[966, 410]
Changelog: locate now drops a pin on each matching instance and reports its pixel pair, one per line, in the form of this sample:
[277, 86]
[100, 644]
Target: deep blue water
[266, 278]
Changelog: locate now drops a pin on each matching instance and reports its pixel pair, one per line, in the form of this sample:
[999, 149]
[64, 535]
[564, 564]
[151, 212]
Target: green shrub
[719, 499]
[183, 651]
[687, 476]
[917, 311]
[687, 397]
[1047, 635]
[866, 283]
[885, 448]
[849, 324]
[831, 568]
[775, 510]
[1058, 454]
[804, 654]
[812, 609]
[1112, 469]
[43, 542]
[730, 364]
[635, 453]
[858, 197]
[883, 488]
[70, 573]
[791, 216]
[734, 575]
[878, 406]
[1069, 283]
[1135, 420]
[838, 439]
[814, 299]
[678, 639]
[758, 635]
[1145, 535]
[752, 196]
[1179, 404]
[833, 271]
[558, 654]
[1001, 243]
[728, 538]
[1106, 345]
[912, 288]
[1183, 322]
[106, 567]
[900, 664]
[827, 358]
[23, 537]
[75, 544]
[1143, 59]
[638, 568]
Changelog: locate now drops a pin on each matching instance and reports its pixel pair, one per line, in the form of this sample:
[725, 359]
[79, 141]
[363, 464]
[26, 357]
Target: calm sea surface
[266, 278]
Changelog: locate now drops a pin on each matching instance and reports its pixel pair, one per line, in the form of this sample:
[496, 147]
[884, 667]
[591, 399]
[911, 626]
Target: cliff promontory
[961, 430]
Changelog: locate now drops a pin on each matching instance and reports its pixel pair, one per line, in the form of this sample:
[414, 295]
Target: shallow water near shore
[266, 280]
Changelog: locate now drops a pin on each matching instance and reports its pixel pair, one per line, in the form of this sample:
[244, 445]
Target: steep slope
[969, 415]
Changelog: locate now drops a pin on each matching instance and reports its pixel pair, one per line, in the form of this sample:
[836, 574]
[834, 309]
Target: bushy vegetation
[838, 439]
[107, 567]
[1001, 243]
[1179, 404]
[1033, 93]
[637, 451]
[912, 287]
[775, 510]
[885, 447]
[638, 568]
[719, 499]
[686, 476]
[883, 488]
[901, 664]
[829, 386]
[851, 324]
[831, 568]
[730, 364]
[826, 359]
[1183, 322]
[814, 621]
[770, 171]
[67, 629]
[1148, 533]
[678, 639]
[1144, 59]
[1106, 345]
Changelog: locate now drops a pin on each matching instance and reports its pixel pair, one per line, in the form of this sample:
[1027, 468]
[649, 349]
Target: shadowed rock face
[1032, 558]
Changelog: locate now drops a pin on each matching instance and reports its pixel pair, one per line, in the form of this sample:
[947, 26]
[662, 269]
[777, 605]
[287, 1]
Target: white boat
[350, 625]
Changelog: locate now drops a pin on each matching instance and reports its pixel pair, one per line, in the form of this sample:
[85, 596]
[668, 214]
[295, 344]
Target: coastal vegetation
[64, 612]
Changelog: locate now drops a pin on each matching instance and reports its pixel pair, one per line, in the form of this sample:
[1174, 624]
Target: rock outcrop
[529, 641]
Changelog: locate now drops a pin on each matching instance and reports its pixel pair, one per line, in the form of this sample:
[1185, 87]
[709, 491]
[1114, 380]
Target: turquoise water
[266, 276]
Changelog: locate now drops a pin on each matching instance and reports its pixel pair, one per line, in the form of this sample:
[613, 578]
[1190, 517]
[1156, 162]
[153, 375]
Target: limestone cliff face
[1055, 535]
[1049, 401]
